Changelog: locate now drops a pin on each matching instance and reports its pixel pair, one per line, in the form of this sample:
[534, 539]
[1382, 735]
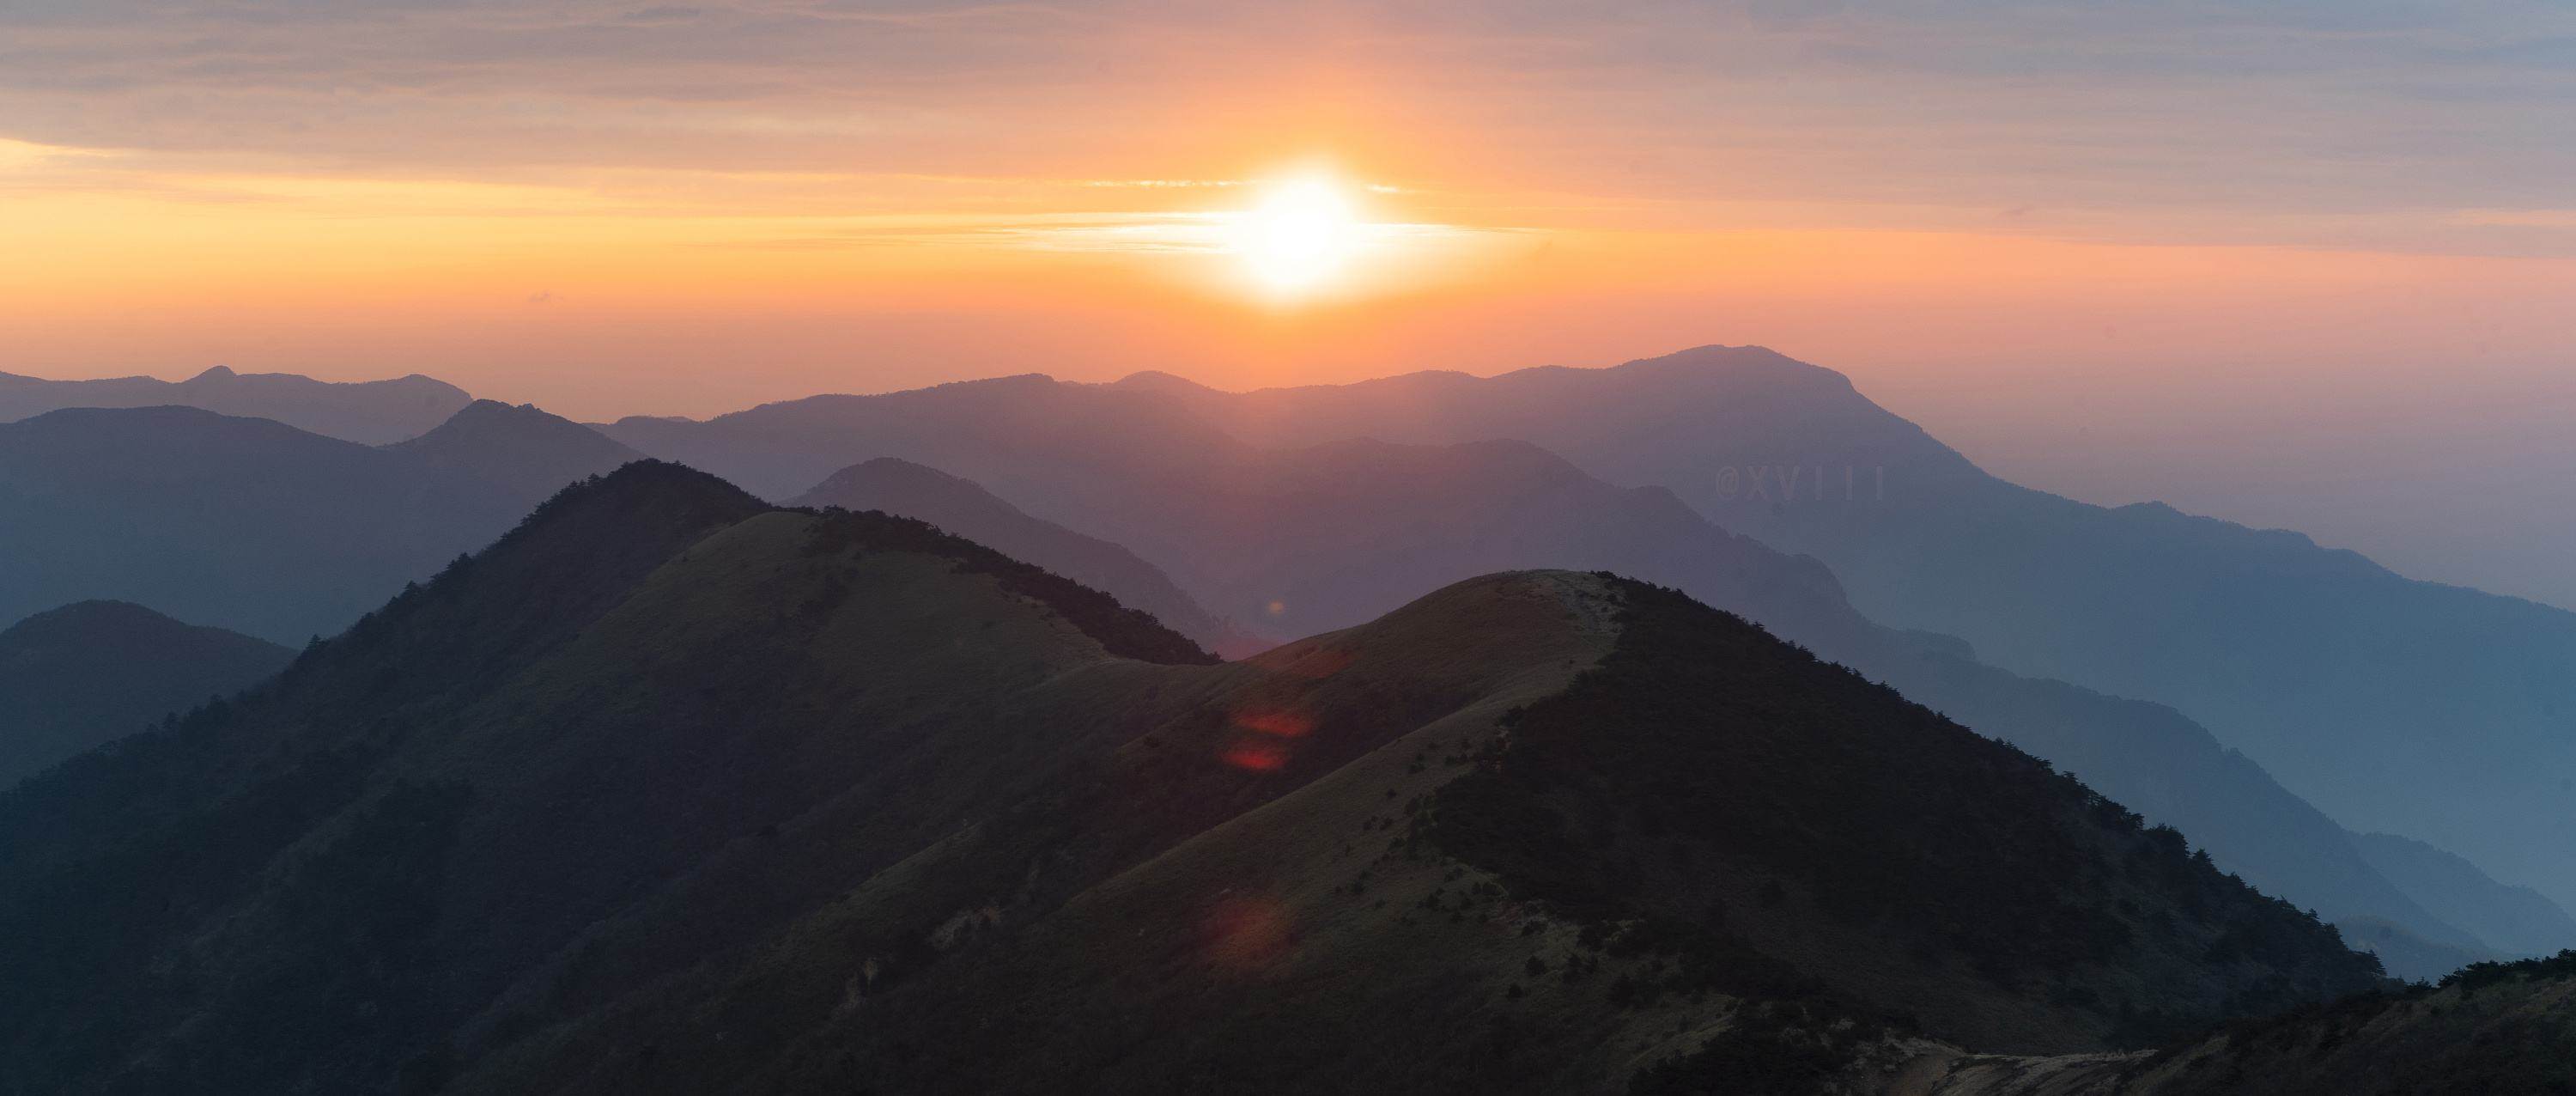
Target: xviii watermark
[1800, 482]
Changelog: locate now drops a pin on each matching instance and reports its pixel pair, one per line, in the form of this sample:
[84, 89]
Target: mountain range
[1291, 539]
[1325, 535]
[670, 790]
[366, 412]
[930, 777]
[254, 525]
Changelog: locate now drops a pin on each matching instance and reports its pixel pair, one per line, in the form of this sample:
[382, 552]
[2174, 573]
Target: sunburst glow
[1301, 236]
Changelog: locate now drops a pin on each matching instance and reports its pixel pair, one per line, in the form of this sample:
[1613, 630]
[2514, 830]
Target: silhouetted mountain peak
[213, 373]
[522, 449]
[1155, 380]
[484, 421]
[899, 486]
[481, 412]
[639, 488]
[485, 408]
[1742, 369]
[1721, 354]
[1013, 386]
[898, 470]
[87, 617]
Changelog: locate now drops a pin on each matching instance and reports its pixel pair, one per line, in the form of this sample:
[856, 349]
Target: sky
[2299, 261]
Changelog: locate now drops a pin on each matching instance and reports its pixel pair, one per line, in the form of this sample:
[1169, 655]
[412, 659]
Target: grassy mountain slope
[2494, 1029]
[95, 671]
[369, 412]
[1212, 750]
[962, 507]
[672, 791]
[1395, 922]
[1703, 746]
[193, 907]
[620, 713]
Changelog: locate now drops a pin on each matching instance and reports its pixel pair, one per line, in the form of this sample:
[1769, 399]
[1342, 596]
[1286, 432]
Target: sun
[1301, 235]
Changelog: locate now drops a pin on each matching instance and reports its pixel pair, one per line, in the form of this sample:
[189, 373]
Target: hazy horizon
[2458, 479]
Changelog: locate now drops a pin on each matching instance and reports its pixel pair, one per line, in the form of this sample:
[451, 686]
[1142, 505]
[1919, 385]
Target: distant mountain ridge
[255, 525]
[2517, 921]
[86, 674]
[964, 508]
[366, 412]
[522, 451]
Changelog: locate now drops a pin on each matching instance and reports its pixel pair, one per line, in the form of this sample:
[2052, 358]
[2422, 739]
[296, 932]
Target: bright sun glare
[1300, 236]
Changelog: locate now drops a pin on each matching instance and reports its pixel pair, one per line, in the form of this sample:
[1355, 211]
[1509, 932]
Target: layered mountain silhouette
[670, 790]
[257, 526]
[522, 452]
[2412, 707]
[2516, 921]
[366, 412]
[76, 677]
[1323, 536]
[2406, 954]
[962, 507]
[2402, 706]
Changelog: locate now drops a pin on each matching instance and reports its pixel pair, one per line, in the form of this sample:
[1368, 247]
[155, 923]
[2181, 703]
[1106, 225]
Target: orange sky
[613, 207]
[2004, 220]
[600, 302]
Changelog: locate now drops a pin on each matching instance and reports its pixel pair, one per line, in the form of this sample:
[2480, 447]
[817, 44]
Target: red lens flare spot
[1259, 757]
